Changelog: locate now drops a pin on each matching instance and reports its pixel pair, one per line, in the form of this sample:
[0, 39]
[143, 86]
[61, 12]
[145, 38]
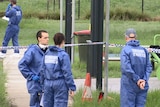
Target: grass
[152, 99]
[31, 24]
[113, 100]
[29, 27]
[3, 100]
[145, 31]
[120, 9]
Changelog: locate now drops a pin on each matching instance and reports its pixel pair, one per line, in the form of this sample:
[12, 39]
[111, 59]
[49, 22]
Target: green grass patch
[145, 32]
[153, 99]
[119, 9]
[113, 100]
[35, 11]
[3, 101]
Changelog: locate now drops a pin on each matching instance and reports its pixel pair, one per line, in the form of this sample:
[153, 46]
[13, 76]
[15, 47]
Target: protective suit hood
[133, 43]
[55, 48]
[33, 46]
[18, 8]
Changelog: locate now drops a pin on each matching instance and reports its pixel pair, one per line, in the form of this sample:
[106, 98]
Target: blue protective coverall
[135, 65]
[58, 78]
[30, 66]
[14, 14]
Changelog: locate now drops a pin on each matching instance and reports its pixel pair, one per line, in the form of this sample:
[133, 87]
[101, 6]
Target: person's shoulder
[19, 7]
[62, 52]
[144, 49]
[55, 48]
[32, 46]
[126, 48]
[51, 47]
[65, 54]
[16, 8]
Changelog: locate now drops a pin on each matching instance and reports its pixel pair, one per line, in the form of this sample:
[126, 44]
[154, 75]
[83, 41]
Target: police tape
[84, 44]
[66, 45]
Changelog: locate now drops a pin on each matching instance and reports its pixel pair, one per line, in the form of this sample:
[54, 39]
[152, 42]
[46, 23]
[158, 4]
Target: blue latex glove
[35, 78]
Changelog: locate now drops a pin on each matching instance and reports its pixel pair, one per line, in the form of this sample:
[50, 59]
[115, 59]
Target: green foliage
[121, 13]
[40, 15]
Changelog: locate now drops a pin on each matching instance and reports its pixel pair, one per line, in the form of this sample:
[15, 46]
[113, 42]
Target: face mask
[43, 46]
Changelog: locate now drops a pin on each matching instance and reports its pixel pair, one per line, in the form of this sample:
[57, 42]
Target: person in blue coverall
[14, 13]
[58, 79]
[136, 69]
[30, 67]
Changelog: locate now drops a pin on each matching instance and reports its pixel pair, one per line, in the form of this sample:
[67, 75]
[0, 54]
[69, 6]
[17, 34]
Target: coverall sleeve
[66, 69]
[126, 67]
[8, 7]
[9, 13]
[148, 67]
[23, 65]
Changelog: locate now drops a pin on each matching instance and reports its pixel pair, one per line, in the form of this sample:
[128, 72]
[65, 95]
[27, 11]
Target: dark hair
[58, 38]
[39, 33]
[14, 1]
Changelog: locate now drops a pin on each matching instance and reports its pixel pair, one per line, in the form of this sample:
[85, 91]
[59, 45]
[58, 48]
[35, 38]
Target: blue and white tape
[84, 44]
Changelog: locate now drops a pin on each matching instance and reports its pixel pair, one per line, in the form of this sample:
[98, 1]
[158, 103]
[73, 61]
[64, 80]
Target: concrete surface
[16, 84]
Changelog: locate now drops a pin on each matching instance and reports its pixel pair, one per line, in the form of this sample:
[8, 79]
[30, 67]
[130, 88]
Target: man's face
[44, 39]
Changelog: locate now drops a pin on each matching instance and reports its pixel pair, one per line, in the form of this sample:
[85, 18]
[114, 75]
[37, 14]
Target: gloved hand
[9, 7]
[35, 78]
